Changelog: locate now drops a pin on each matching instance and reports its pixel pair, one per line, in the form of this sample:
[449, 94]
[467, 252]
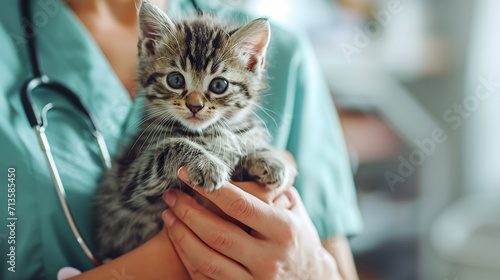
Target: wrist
[159, 259]
[155, 259]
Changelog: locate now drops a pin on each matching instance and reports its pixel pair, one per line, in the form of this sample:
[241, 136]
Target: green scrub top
[299, 113]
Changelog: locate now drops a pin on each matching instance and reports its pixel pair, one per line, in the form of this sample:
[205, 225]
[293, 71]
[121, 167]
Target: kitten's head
[199, 72]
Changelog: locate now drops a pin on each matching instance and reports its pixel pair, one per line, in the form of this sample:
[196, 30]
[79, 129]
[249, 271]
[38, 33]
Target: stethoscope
[39, 121]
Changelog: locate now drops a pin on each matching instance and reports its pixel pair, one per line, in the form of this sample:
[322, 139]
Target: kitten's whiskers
[145, 129]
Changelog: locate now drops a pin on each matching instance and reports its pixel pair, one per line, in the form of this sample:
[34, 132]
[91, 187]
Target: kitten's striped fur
[224, 136]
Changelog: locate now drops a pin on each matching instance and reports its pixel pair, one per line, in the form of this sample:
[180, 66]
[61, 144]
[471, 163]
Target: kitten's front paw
[208, 172]
[269, 169]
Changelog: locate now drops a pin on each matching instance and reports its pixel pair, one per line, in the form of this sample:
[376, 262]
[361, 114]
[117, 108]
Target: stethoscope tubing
[61, 193]
[39, 121]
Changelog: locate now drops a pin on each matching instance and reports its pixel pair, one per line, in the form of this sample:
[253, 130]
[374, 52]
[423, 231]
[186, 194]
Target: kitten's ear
[253, 38]
[154, 24]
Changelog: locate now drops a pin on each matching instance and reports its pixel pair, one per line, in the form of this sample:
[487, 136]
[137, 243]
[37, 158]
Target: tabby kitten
[202, 82]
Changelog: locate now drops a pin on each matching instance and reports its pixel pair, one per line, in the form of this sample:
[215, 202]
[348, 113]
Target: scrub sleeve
[298, 112]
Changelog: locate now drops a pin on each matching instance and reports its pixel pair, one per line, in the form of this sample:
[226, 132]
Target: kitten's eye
[218, 85]
[175, 80]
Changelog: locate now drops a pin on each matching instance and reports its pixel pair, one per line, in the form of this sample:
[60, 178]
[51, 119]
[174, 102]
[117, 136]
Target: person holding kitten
[91, 46]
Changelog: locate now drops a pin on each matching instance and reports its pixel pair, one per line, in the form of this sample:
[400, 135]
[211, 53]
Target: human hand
[281, 242]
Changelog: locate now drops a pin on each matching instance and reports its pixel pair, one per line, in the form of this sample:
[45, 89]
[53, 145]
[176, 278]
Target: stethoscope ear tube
[35, 62]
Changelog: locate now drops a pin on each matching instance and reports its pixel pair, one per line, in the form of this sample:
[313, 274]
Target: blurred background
[416, 84]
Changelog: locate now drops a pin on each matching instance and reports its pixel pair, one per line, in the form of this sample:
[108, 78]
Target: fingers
[291, 177]
[259, 191]
[289, 157]
[285, 200]
[221, 235]
[193, 272]
[242, 206]
[300, 210]
[201, 261]
[281, 197]
[294, 196]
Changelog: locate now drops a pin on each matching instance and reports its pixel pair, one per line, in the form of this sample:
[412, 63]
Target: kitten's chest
[227, 147]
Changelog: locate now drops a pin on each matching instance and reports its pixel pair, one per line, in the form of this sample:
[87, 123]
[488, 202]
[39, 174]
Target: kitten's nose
[194, 102]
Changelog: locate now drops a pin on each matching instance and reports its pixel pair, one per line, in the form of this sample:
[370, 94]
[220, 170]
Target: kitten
[202, 82]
